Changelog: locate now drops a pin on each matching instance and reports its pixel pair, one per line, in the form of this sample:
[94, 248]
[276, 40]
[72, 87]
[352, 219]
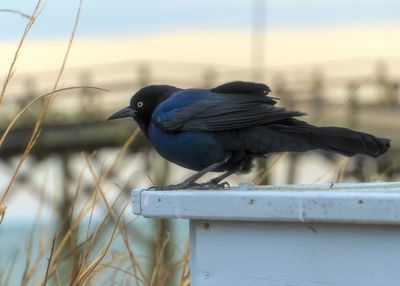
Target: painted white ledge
[367, 203]
[344, 235]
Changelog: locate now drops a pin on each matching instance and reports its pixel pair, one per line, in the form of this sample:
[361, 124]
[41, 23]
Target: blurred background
[338, 61]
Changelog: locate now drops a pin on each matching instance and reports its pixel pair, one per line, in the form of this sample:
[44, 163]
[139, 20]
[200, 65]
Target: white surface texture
[304, 235]
[282, 254]
[343, 203]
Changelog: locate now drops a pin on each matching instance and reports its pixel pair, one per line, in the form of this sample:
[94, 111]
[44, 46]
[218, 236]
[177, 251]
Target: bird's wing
[244, 87]
[230, 106]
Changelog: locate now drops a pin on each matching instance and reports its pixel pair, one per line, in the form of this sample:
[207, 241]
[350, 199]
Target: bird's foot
[194, 186]
[168, 188]
[210, 186]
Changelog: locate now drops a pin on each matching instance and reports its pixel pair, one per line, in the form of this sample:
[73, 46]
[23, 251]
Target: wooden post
[383, 83]
[66, 222]
[352, 105]
[209, 78]
[143, 74]
[159, 171]
[317, 100]
[258, 16]
[287, 100]
[30, 93]
[90, 106]
[258, 40]
[394, 93]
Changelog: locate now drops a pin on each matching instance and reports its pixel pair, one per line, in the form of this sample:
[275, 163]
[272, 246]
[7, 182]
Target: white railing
[341, 234]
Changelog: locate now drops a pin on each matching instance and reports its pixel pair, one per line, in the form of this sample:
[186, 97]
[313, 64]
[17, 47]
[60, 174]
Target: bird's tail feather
[349, 142]
[341, 140]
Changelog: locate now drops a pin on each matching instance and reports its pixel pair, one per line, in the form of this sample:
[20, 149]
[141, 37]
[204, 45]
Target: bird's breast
[192, 150]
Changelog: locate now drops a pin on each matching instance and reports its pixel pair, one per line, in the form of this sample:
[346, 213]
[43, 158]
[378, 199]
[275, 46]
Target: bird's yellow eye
[140, 104]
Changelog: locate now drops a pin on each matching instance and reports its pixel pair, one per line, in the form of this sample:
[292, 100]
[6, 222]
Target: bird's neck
[145, 127]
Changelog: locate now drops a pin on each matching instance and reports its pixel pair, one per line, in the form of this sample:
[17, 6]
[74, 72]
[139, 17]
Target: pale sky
[101, 18]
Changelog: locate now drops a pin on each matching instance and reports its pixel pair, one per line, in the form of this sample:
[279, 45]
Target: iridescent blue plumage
[191, 150]
[176, 102]
[224, 128]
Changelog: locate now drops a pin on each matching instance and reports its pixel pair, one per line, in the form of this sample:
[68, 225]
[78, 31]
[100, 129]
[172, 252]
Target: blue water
[14, 239]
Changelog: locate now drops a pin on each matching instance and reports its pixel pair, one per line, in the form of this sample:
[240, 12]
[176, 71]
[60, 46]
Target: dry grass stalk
[185, 274]
[36, 132]
[16, 12]
[89, 270]
[29, 25]
[30, 268]
[71, 40]
[166, 267]
[49, 260]
[77, 274]
[271, 168]
[98, 180]
[353, 93]
[343, 170]
[7, 271]
[330, 170]
[119, 269]
[26, 107]
[33, 139]
[157, 277]
[23, 158]
[392, 167]
[2, 212]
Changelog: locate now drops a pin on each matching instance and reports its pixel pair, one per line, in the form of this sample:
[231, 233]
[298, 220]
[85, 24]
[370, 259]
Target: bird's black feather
[243, 87]
[229, 125]
[219, 112]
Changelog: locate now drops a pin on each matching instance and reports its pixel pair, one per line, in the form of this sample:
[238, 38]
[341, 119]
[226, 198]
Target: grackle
[224, 128]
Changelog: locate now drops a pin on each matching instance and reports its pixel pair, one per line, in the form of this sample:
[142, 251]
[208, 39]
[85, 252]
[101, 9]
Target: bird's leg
[218, 179]
[190, 182]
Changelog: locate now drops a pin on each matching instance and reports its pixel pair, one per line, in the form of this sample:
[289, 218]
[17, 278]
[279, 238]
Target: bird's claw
[166, 188]
[210, 186]
[193, 186]
[225, 184]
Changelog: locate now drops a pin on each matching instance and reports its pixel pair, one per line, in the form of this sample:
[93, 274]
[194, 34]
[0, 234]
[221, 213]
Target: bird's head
[143, 103]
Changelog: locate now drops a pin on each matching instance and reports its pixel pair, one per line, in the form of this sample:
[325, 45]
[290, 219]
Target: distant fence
[332, 82]
[356, 93]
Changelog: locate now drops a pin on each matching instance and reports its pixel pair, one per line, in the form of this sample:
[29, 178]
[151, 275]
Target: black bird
[224, 128]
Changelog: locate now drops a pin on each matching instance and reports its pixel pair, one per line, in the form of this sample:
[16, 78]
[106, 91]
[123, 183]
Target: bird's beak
[124, 112]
